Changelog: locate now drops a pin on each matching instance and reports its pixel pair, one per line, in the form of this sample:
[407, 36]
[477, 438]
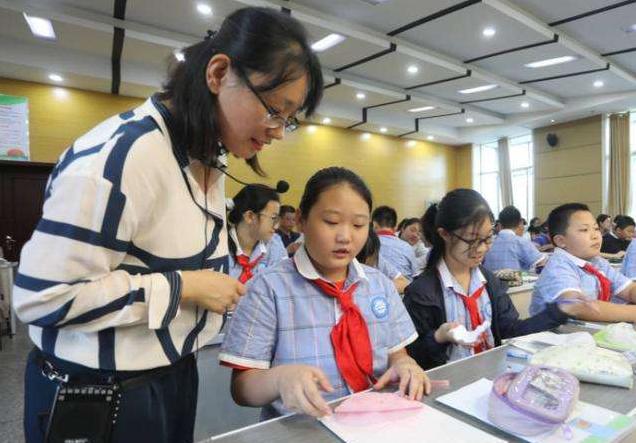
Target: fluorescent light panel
[40, 27]
[328, 42]
[422, 109]
[550, 62]
[477, 89]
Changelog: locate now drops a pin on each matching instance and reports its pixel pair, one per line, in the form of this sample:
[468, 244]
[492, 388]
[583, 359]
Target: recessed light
[411, 143]
[204, 9]
[477, 89]
[488, 32]
[179, 56]
[56, 78]
[40, 27]
[412, 69]
[60, 93]
[361, 96]
[470, 120]
[430, 137]
[365, 136]
[422, 109]
[525, 104]
[383, 129]
[311, 129]
[552, 120]
[599, 84]
[326, 121]
[325, 43]
[630, 29]
[550, 62]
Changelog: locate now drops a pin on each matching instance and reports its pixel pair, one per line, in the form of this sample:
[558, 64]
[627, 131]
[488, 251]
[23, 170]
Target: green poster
[14, 128]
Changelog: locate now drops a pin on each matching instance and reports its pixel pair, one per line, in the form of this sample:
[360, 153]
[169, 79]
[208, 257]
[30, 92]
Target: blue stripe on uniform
[166, 343]
[113, 306]
[78, 233]
[34, 284]
[174, 279]
[54, 317]
[189, 341]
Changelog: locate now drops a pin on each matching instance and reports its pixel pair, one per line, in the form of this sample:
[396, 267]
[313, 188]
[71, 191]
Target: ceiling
[443, 39]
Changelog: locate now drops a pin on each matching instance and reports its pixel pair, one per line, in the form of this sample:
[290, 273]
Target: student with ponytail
[253, 220]
[455, 289]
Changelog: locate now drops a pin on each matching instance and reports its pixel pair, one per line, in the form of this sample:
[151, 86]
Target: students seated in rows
[321, 325]
[510, 250]
[576, 269]
[370, 255]
[617, 240]
[455, 290]
[253, 219]
[286, 228]
[410, 231]
[394, 250]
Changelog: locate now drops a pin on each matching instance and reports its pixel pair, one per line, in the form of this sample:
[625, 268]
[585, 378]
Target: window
[486, 174]
[522, 172]
[632, 169]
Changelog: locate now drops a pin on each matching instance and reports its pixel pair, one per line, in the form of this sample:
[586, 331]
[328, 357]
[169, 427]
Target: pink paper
[377, 402]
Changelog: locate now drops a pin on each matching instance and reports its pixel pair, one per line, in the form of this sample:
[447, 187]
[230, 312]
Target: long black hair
[458, 209]
[253, 198]
[371, 248]
[257, 40]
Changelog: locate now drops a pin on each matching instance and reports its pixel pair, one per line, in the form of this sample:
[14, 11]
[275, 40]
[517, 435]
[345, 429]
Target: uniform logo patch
[380, 306]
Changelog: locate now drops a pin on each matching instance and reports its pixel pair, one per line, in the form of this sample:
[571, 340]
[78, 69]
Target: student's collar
[260, 246]
[386, 231]
[574, 259]
[307, 270]
[449, 281]
[508, 231]
[613, 235]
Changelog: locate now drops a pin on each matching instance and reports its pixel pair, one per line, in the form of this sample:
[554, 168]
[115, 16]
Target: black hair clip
[209, 34]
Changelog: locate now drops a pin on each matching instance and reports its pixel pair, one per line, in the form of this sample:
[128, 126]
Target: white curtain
[619, 192]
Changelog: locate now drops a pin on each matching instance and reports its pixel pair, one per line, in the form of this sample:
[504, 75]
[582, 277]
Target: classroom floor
[216, 412]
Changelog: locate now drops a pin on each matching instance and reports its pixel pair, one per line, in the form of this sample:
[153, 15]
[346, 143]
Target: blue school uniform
[509, 251]
[400, 254]
[629, 262]
[564, 272]
[286, 319]
[270, 253]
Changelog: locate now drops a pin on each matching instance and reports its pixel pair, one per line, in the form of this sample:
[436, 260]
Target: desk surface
[461, 373]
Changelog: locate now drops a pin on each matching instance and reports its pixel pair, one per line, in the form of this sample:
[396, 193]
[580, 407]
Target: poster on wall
[14, 128]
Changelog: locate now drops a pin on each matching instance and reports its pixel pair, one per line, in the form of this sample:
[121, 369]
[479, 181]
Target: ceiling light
[469, 120]
[311, 129]
[40, 27]
[56, 78]
[430, 137]
[411, 143]
[422, 109]
[630, 29]
[550, 62]
[179, 56]
[488, 32]
[383, 129]
[204, 9]
[412, 69]
[525, 104]
[326, 121]
[365, 136]
[325, 43]
[361, 96]
[552, 120]
[477, 89]
[60, 93]
[599, 84]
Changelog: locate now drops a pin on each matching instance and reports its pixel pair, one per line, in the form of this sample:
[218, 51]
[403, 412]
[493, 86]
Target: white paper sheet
[535, 342]
[418, 426]
[587, 420]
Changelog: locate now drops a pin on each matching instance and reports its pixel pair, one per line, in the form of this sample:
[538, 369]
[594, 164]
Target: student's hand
[299, 387]
[620, 254]
[214, 291]
[576, 304]
[293, 247]
[410, 375]
[442, 335]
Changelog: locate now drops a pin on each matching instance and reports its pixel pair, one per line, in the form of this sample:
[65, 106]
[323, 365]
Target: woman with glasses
[253, 220]
[135, 222]
[455, 290]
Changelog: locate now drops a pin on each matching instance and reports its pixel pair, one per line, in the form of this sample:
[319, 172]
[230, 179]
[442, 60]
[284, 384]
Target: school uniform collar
[260, 246]
[613, 235]
[387, 232]
[307, 270]
[574, 259]
[507, 232]
[449, 281]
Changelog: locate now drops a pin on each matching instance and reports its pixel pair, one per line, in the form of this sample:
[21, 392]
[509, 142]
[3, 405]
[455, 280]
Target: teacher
[125, 275]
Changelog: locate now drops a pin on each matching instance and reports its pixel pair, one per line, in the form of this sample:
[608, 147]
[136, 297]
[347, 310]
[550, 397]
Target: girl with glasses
[455, 290]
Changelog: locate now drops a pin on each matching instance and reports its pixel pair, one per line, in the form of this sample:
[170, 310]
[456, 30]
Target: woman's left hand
[413, 380]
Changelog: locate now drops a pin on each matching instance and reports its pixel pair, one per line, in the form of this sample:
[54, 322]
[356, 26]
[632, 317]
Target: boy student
[617, 240]
[576, 268]
[511, 250]
[394, 250]
[286, 227]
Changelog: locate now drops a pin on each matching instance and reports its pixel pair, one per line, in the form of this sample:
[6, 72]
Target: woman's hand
[214, 291]
[413, 380]
[299, 387]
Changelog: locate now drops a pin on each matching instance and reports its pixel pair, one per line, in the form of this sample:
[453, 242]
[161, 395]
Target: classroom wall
[464, 166]
[571, 171]
[407, 178]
